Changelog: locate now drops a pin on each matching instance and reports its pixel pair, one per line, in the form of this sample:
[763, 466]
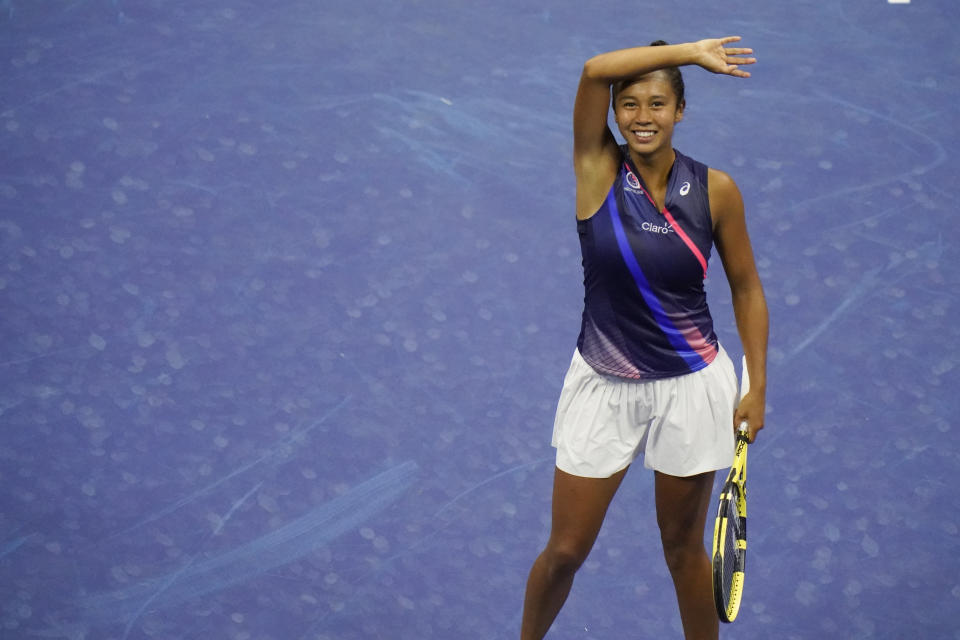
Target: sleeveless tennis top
[645, 310]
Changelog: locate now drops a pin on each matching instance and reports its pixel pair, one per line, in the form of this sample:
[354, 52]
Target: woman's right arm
[592, 103]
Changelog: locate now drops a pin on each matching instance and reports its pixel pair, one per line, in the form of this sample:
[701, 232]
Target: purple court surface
[287, 291]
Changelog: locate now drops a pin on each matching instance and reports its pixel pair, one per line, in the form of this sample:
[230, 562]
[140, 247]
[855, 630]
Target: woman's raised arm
[591, 136]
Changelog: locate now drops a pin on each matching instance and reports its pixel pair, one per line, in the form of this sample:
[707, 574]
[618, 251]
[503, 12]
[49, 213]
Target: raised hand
[715, 56]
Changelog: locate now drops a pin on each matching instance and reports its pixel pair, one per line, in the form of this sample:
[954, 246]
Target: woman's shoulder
[723, 193]
[720, 180]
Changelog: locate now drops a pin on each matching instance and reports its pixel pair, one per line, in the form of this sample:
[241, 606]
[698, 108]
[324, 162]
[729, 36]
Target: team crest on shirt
[632, 180]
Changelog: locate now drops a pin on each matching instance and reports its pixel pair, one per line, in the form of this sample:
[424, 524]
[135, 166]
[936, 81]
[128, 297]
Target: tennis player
[649, 375]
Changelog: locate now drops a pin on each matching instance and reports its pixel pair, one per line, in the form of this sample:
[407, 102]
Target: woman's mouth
[643, 136]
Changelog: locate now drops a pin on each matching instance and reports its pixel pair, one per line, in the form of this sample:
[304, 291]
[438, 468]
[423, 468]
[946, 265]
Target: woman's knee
[681, 547]
[565, 557]
[681, 514]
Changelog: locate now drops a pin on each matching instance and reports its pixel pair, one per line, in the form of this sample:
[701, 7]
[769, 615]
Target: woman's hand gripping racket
[730, 530]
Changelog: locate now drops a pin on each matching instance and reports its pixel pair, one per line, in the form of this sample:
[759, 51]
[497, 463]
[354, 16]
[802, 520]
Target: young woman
[648, 375]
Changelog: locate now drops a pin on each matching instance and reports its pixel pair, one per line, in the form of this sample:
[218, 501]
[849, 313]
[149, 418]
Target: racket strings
[730, 551]
[732, 554]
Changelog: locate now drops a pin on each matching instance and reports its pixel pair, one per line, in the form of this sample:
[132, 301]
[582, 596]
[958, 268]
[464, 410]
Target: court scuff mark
[286, 544]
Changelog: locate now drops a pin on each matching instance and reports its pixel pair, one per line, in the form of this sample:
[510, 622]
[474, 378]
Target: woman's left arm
[749, 304]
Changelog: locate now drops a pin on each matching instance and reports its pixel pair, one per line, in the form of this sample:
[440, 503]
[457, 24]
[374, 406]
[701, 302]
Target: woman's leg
[682, 505]
[579, 506]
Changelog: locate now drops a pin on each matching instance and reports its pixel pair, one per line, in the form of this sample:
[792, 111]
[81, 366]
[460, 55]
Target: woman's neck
[655, 168]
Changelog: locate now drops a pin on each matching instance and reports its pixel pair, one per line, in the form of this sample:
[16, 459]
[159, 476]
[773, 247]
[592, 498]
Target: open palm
[715, 56]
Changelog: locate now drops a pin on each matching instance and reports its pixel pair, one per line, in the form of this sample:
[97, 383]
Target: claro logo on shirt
[655, 228]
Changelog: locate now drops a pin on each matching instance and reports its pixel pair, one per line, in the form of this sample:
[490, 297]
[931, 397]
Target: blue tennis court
[287, 293]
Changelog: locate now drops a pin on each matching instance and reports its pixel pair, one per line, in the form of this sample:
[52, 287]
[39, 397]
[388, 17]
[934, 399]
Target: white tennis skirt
[683, 426]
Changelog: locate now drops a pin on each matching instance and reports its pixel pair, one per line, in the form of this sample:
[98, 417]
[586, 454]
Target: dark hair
[673, 75]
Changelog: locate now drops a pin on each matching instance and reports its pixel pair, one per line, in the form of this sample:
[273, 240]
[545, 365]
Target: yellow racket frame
[737, 477]
[733, 489]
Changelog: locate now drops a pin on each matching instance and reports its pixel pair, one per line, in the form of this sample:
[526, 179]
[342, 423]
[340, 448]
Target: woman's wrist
[691, 53]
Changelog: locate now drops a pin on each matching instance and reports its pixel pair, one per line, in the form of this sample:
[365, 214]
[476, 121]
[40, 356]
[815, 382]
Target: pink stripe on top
[686, 240]
[698, 343]
[676, 227]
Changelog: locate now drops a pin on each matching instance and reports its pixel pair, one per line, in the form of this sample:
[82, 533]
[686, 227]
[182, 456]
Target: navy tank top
[645, 310]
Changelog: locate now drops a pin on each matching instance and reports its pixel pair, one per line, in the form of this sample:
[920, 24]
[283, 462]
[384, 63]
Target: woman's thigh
[579, 507]
[682, 504]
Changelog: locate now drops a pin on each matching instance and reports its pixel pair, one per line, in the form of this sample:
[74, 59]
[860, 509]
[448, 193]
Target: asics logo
[685, 189]
[632, 180]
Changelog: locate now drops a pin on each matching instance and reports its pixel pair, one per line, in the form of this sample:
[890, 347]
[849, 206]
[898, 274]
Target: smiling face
[646, 111]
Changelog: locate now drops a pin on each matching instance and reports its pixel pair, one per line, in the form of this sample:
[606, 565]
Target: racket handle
[743, 428]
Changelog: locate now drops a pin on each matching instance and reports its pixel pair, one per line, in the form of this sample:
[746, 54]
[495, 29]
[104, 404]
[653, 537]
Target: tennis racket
[730, 530]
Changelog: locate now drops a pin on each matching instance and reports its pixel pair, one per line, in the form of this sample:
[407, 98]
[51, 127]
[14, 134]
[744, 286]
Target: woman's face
[646, 110]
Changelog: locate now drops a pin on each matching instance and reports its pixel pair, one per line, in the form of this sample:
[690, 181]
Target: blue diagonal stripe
[677, 341]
